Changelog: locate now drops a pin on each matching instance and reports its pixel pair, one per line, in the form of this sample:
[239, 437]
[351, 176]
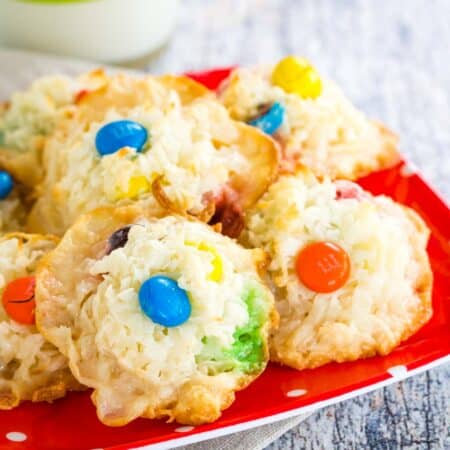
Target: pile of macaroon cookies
[160, 243]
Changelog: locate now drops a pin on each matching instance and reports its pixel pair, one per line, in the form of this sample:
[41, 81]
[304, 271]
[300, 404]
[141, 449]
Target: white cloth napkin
[254, 439]
[17, 70]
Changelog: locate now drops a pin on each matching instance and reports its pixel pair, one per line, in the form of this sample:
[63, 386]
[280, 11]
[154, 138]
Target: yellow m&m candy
[297, 76]
[217, 271]
[136, 186]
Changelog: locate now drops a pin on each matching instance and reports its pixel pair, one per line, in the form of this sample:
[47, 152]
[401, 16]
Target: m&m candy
[164, 302]
[119, 134]
[6, 184]
[271, 119]
[18, 300]
[136, 186]
[217, 264]
[297, 76]
[118, 239]
[323, 266]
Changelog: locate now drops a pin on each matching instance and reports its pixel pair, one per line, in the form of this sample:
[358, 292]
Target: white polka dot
[296, 393]
[407, 170]
[398, 371]
[16, 436]
[184, 429]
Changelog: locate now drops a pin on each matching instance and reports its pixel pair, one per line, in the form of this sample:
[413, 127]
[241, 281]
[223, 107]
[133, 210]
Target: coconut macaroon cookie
[350, 271]
[315, 123]
[164, 318]
[30, 367]
[189, 158]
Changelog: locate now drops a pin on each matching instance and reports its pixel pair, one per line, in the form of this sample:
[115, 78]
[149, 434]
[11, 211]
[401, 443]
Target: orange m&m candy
[323, 266]
[18, 300]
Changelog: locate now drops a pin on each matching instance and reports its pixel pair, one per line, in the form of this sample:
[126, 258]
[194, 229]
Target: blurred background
[392, 58]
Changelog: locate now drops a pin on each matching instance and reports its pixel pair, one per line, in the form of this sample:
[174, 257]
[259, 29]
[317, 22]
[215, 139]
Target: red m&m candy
[18, 300]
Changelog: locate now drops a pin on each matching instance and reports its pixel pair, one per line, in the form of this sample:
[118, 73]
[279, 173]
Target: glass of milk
[113, 31]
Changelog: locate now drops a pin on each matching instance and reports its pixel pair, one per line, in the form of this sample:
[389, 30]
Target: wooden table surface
[393, 60]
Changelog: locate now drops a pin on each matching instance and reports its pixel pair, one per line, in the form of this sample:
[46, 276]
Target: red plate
[280, 392]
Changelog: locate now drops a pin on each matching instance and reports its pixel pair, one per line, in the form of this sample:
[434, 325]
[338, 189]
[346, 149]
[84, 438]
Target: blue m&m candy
[119, 134]
[164, 302]
[269, 121]
[6, 184]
